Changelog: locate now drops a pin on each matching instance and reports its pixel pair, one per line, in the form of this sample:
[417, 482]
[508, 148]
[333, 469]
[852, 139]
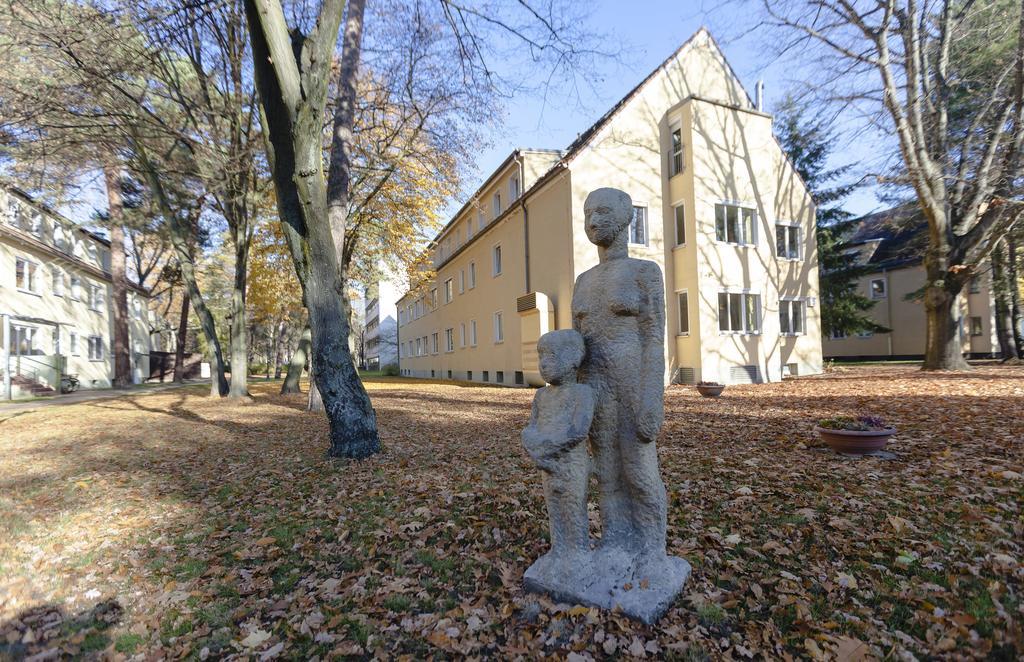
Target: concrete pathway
[8, 408]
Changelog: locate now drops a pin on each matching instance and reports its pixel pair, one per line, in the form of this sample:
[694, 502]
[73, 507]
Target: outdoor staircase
[31, 385]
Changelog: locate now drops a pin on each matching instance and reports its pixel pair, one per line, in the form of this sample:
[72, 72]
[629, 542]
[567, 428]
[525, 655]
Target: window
[96, 297]
[865, 334]
[480, 221]
[513, 187]
[36, 224]
[486, 376]
[137, 307]
[433, 345]
[878, 288]
[58, 281]
[433, 298]
[76, 287]
[449, 340]
[462, 281]
[735, 224]
[638, 227]
[499, 328]
[680, 218]
[23, 341]
[975, 286]
[26, 275]
[499, 376]
[55, 336]
[496, 260]
[472, 275]
[472, 333]
[739, 313]
[469, 229]
[73, 343]
[683, 320]
[791, 317]
[13, 211]
[462, 334]
[976, 327]
[95, 348]
[496, 205]
[448, 291]
[676, 153]
[787, 241]
[458, 237]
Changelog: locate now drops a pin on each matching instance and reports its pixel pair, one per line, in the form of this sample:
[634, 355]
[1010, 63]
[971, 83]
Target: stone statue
[618, 308]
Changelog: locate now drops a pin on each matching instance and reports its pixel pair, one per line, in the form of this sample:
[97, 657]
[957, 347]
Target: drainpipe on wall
[7, 356]
[526, 220]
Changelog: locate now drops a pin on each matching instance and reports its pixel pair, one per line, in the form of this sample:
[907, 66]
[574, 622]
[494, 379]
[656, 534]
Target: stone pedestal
[640, 587]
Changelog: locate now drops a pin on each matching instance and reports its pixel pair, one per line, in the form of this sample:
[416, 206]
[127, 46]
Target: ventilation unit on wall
[744, 374]
[685, 376]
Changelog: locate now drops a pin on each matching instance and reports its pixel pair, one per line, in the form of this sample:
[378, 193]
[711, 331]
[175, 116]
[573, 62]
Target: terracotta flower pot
[710, 391]
[857, 442]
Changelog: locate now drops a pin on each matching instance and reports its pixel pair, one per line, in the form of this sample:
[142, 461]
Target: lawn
[172, 525]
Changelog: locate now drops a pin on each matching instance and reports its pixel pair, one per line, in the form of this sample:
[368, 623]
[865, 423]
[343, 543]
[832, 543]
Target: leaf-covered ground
[172, 525]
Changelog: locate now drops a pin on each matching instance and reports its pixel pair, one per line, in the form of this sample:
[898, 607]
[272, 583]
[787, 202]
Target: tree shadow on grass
[48, 630]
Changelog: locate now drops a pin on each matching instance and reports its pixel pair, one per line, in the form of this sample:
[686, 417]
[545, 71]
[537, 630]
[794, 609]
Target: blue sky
[649, 31]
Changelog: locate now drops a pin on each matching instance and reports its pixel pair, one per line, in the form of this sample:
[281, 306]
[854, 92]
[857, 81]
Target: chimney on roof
[759, 95]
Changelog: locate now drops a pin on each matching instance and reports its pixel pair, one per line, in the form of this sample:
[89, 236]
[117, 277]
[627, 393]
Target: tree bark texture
[1013, 273]
[239, 330]
[297, 364]
[1000, 294]
[944, 347]
[121, 342]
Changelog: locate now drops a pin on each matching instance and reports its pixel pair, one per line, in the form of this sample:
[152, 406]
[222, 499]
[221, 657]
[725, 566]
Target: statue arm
[652, 343]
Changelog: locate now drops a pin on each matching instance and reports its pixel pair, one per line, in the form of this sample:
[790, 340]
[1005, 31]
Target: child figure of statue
[555, 438]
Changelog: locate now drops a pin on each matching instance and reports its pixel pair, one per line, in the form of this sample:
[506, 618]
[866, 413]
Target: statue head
[606, 212]
[560, 353]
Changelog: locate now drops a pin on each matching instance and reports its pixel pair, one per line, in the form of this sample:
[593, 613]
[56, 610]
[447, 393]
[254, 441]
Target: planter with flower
[863, 434]
[710, 389]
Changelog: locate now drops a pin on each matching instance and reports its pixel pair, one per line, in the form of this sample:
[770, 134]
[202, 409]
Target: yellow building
[55, 302]
[892, 243]
[717, 206]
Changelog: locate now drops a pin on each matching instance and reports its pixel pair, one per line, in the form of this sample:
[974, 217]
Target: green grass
[127, 643]
[398, 603]
[710, 613]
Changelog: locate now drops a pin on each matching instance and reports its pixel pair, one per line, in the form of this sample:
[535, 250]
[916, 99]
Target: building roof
[898, 236]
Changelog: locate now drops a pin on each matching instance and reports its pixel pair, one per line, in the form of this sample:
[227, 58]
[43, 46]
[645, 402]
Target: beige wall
[902, 310]
[737, 158]
[73, 315]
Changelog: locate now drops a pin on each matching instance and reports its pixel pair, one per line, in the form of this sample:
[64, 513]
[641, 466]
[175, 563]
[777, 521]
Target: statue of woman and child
[606, 385]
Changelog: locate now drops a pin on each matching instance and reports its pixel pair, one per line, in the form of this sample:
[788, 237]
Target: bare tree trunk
[121, 343]
[1000, 294]
[179, 349]
[293, 95]
[239, 335]
[278, 343]
[1013, 275]
[316, 400]
[297, 364]
[943, 347]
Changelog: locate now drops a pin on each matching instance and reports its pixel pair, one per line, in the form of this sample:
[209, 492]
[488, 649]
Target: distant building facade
[893, 242]
[56, 295]
[380, 335]
[716, 205]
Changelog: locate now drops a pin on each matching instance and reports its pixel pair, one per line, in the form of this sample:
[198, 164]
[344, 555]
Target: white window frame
[57, 276]
[31, 273]
[981, 326]
[96, 343]
[646, 225]
[513, 188]
[676, 162]
[462, 334]
[745, 326]
[676, 208]
[789, 226]
[435, 342]
[741, 206]
[885, 289]
[449, 290]
[496, 204]
[469, 229]
[680, 310]
[97, 297]
[73, 348]
[472, 275]
[838, 335]
[75, 288]
[449, 340]
[481, 221]
[498, 322]
[496, 261]
[788, 303]
[462, 281]
[19, 332]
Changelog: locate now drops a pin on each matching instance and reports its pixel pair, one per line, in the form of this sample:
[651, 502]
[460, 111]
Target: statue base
[640, 587]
